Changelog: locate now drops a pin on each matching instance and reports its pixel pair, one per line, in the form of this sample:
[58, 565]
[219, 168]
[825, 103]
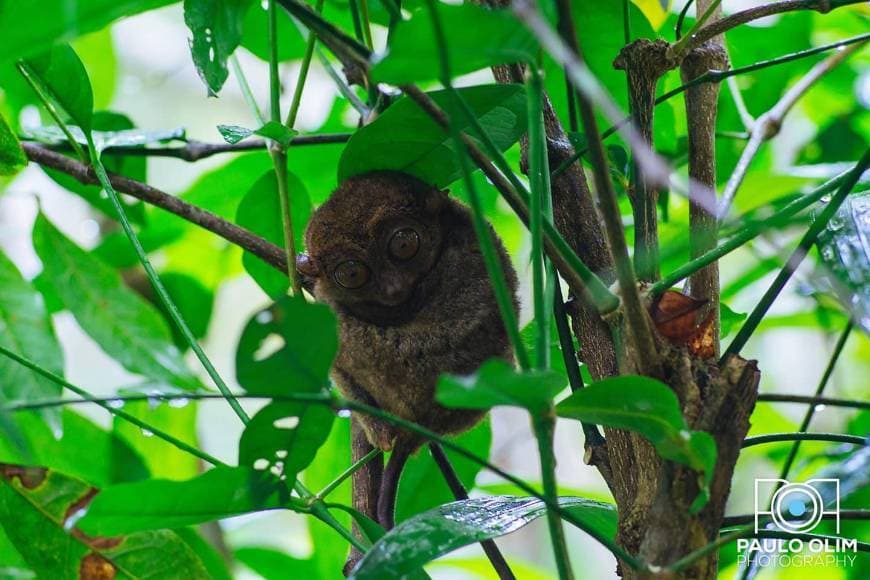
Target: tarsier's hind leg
[366, 485]
[403, 447]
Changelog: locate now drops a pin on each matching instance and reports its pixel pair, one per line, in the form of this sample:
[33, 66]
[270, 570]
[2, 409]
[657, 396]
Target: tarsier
[399, 263]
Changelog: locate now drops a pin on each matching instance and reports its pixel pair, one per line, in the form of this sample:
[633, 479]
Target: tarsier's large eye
[351, 274]
[404, 244]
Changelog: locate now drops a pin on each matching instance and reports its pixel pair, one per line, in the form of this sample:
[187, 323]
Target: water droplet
[344, 413]
[826, 198]
[179, 403]
[286, 423]
[281, 454]
[116, 403]
[261, 464]
[275, 470]
[820, 408]
[147, 433]
[685, 435]
[264, 317]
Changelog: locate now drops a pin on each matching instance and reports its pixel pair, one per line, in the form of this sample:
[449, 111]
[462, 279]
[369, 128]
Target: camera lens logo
[796, 507]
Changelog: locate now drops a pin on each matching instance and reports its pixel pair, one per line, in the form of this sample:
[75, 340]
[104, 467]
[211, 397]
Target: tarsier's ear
[306, 266]
[435, 200]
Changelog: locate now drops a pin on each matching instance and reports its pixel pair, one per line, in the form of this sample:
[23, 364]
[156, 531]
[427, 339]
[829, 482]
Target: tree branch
[247, 240]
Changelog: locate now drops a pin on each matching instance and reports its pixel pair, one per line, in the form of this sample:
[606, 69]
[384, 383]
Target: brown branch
[247, 240]
[768, 125]
[701, 110]
[734, 20]
[196, 150]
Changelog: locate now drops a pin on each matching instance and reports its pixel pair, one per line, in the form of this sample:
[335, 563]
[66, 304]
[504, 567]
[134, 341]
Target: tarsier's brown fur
[410, 321]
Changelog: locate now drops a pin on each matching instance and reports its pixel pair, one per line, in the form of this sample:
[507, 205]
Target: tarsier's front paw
[352, 560]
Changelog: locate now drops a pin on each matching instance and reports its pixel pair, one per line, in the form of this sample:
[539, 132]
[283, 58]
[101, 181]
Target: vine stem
[544, 427]
[779, 437]
[768, 125]
[831, 402]
[797, 257]
[342, 477]
[107, 405]
[279, 153]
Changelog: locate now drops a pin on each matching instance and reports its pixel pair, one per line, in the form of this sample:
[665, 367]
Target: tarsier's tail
[402, 450]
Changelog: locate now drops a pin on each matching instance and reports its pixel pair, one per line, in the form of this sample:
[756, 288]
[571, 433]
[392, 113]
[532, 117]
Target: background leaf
[123, 324]
[497, 383]
[12, 158]
[25, 329]
[63, 77]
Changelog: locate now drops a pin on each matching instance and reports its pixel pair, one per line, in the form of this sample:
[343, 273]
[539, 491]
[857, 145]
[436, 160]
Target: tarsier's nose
[305, 265]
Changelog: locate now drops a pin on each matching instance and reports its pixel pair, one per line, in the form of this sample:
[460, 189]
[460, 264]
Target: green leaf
[405, 138]
[497, 383]
[843, 246]
[260, 212]
[61, 74]
[214, 562]
[164, 460]
[650, 408]
[31, 26]
[255, 35]
[422, 485]
[216, 26]
[194, 301]
[729, 320]
[429, 535]
[38, 508]
[118, 131]
[25, 329]
[274, 130]
[285, 437]
[123, 324]
[78, 448]
[287, 347]
[157, 503]
[274, 565]
[476, 38]
[12, 157]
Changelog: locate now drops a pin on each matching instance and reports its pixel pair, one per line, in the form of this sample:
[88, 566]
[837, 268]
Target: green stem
[748, 232]
[681, 43]
[278, 152]
[779, 437]
[356, 466]
[28, 75]
[105, 404]
[303, 73]
[366, 25]
[544, 427]
[483, 231]
[538, 170]
[797, 257]
[778, 398]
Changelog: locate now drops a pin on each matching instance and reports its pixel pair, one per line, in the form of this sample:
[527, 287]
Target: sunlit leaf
[255, 34]
[12, 158]
[476, 38]
[123, 324]
[38, 511]
[405, 138]
[446, 528]
[287, 347]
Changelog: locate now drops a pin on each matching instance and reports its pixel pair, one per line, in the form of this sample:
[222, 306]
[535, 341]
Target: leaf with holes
[431, 534]
[153, 504]
[39, 510]
[284, 438]
[216, 26]
[497, 383]
[123, 324]
[260, 212]
[650, 408]
[405, 138]
[287, 347]
[25, 329]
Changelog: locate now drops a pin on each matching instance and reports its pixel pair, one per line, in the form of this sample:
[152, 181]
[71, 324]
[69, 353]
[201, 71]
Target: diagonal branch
[769, 124]
[247, 240]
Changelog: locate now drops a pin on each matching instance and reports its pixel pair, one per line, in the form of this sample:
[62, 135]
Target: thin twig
[768, 125]
[779, 398]
[780, 437]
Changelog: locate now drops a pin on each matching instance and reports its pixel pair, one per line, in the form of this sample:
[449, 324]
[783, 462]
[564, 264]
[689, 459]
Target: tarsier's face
[372, 243]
